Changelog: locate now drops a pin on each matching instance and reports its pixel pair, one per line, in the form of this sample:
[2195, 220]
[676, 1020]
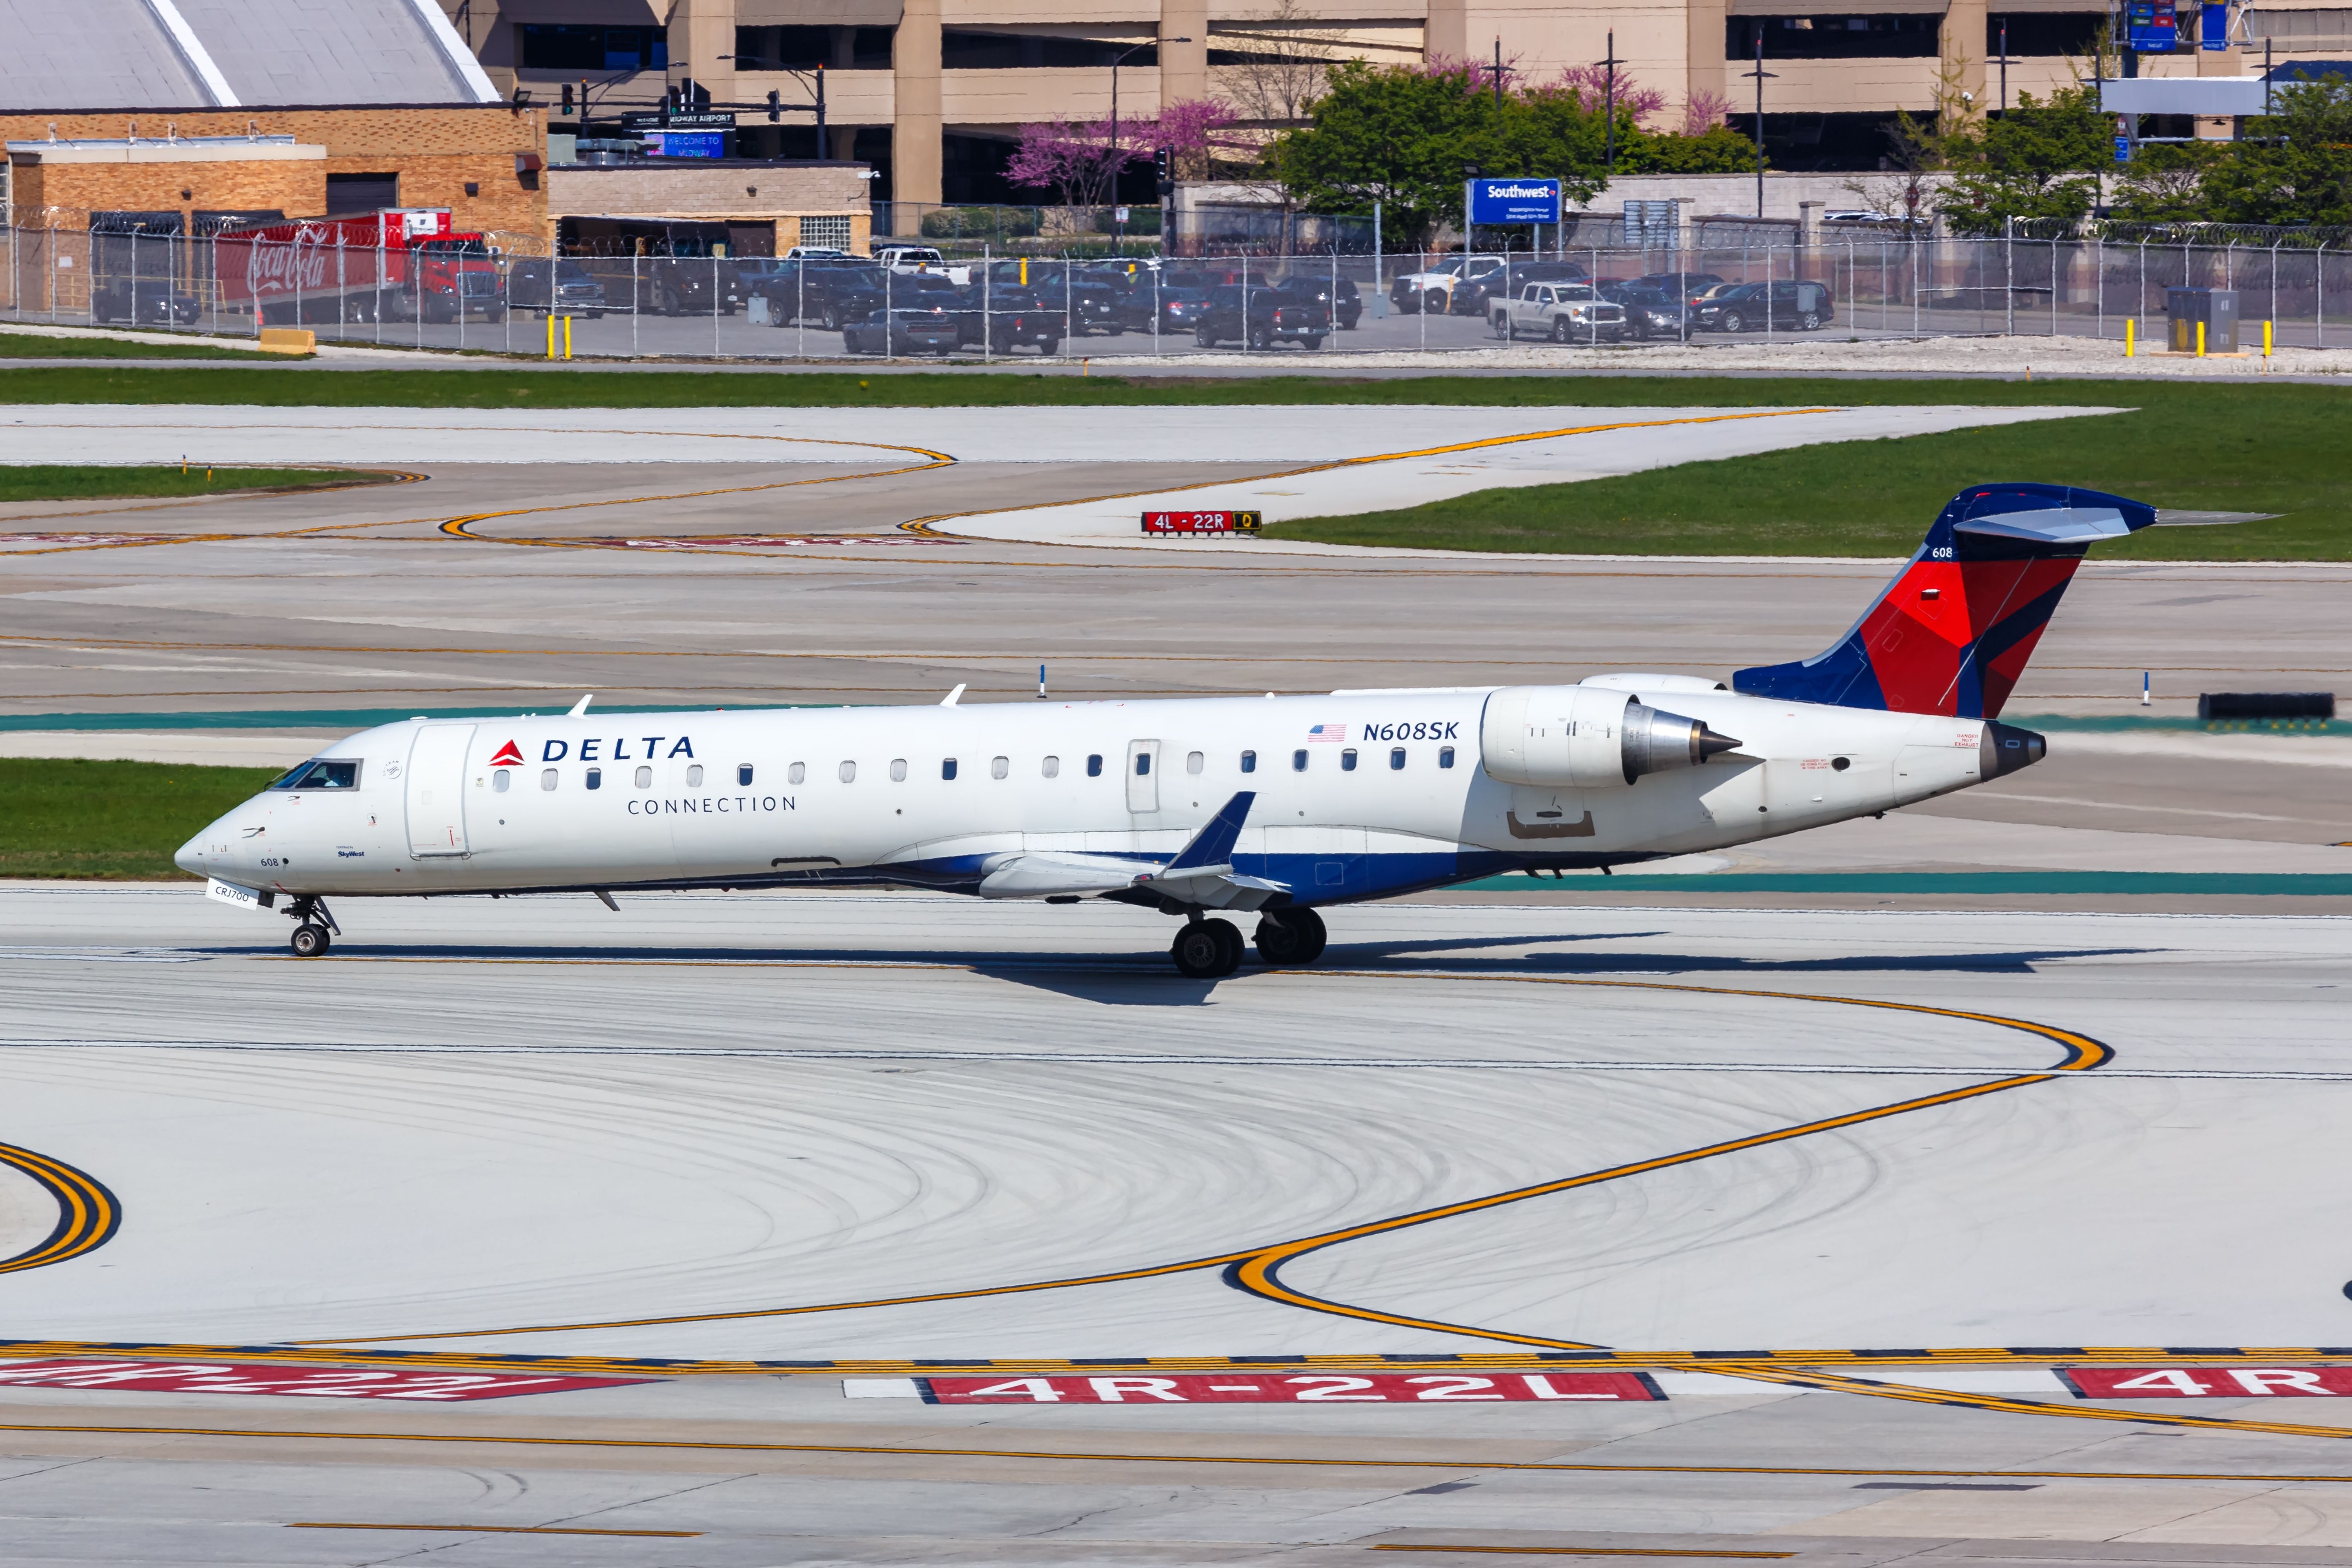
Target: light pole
[1761, 76]
[775, 108]
[1118, 230]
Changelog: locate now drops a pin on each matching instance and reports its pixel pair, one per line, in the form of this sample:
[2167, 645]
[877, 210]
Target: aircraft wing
[1201, 872]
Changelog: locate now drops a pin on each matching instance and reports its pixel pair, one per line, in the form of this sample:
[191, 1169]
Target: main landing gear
[314, 928]
[1212, 949]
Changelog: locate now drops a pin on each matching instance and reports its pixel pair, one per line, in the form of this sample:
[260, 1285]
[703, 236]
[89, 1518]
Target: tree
[1077, 158]
[1282, 59]
[1401, 135]
[2294, 164]
[2035, 165]
[2165, 182]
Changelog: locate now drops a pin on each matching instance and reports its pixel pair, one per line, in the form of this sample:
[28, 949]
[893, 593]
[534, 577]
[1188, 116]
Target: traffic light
[567, 98]
[775, 104]
[1164, 162]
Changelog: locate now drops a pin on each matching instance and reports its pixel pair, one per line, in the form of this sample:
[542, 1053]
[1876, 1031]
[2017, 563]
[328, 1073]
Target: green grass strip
[114, 821]
[2218, 410]
[61, 481]
[2039, 883]
[31, 345]
[2280, 452]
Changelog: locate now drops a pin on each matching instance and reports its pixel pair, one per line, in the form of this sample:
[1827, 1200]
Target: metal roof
[161, 54]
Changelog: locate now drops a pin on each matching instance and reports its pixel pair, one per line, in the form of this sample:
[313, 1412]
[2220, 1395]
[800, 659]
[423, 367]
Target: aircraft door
[1144, 775]
[436, 791]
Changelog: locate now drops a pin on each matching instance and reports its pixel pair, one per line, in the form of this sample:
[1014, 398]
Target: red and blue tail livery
[1952, 634]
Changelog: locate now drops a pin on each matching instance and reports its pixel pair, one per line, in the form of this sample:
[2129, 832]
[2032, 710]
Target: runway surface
[1482, 1130]
[1847, 1185]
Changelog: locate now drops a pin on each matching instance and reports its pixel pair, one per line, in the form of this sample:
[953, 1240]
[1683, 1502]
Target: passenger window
[1053, 767]
[897, 770]
[1348, 761]
[742, 774]
[848, 773]
[694, 775]
[947, 767]
[1249, 761]
[547, 779]
[1142, 764]
[1299, 762]
[998, 767]
[796, 773]
[1396, 757]
[1094, 766]
[645, 778]
[595, 778]
[1194, 762]
[1444, 756]
[498, 781]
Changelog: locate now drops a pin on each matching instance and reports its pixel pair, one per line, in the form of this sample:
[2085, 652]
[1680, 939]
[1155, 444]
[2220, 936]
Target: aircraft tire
[1290, 939]
[311, 940]
[1206, 950]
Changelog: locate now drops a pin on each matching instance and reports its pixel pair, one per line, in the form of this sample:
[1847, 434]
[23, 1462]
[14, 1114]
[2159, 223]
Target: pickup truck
[907, 260]
[1564, 312]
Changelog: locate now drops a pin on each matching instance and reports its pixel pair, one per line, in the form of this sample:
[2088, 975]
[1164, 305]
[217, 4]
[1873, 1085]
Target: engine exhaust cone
[1656, 741]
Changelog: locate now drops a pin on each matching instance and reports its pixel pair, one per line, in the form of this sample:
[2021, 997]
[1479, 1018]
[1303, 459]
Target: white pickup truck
[907, 260]
[1564, 312]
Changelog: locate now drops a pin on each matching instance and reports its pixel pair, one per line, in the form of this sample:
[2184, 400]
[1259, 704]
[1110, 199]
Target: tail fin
[1952, 634]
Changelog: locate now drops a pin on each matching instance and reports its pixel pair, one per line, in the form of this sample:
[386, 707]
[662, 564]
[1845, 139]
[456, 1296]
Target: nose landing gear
[314, 928]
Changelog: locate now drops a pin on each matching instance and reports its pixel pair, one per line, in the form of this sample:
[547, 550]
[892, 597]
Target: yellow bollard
[2200, 339]
[567, 337]
[1024, 273]
[2128, 324]
[2267, 340]
[550, 334]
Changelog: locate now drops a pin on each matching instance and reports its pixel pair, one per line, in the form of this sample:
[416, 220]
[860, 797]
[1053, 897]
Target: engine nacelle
[1587, 737]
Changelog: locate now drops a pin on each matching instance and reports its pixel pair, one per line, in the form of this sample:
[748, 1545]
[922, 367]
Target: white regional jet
[1273, 806]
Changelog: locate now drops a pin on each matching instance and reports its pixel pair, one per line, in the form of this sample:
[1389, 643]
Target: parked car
[1272, 315]
[1681, 285]
[907, 330]
[1009, 318]
[1505, 282]
[823, 291]
[144, 301]
[1090, 305]
[1801, 305]
[1340, 295]
[910, 260]
[1432, 292]
[1564, 312]
[553, 286]
[1650, 311]
[1181, 309]
[667, 285]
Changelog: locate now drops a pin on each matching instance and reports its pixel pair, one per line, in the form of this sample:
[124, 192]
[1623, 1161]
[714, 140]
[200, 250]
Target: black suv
[553, 286]
[1009, 318]
[1338, 296]
[1800, 305]
[824, 291]
[1273, 315]
[1089, 306]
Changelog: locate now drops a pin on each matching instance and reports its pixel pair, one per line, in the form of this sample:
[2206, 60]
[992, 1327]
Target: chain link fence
[507, 295]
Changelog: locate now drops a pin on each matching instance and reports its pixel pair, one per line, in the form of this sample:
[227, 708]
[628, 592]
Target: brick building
[300, 108]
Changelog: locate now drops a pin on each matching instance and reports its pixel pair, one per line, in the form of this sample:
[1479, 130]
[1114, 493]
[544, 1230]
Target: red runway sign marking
[2207, 1382]
[1312, 1388]
[336, 1382]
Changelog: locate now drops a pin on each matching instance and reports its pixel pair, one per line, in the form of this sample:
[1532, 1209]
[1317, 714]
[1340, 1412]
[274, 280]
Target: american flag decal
[1328, 732]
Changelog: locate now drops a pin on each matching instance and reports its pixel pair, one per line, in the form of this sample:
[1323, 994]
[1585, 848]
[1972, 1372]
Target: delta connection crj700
[1274, 807]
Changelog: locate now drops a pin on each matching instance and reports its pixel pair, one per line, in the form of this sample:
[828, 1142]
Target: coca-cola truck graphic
[402, 264]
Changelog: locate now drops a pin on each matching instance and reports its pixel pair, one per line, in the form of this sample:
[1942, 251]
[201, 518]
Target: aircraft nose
[190, 856]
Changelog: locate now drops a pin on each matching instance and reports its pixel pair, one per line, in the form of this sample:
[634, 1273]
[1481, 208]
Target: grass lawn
[2263, 449]
[113, 820]
[288, 387]
[64, 345]
[65, 481]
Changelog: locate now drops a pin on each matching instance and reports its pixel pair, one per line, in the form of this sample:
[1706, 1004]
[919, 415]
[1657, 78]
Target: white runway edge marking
[1103, 1058]
[107, 954]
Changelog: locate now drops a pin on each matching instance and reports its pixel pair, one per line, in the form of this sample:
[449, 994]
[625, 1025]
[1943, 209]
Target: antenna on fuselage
[582, 705]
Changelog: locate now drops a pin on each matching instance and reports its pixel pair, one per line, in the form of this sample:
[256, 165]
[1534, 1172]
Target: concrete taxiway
[709, 1127]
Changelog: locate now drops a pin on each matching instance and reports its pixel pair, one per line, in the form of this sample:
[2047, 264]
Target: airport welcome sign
[1498, 199]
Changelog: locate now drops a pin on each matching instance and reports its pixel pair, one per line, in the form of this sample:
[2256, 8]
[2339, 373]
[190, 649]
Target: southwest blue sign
[1497, 200]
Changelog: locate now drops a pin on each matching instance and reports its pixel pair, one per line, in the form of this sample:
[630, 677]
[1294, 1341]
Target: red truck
[401, 264]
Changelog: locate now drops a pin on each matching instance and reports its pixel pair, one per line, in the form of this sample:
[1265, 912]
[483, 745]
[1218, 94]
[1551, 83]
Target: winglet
[1213, 845]
[950, 699]
[582, 705]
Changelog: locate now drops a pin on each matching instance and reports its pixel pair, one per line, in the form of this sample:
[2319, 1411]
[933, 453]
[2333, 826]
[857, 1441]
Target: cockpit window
[318, 774]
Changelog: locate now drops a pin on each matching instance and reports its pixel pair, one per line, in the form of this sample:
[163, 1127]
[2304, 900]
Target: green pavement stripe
[2111, 723]
[2140, 883]
[320, 718]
